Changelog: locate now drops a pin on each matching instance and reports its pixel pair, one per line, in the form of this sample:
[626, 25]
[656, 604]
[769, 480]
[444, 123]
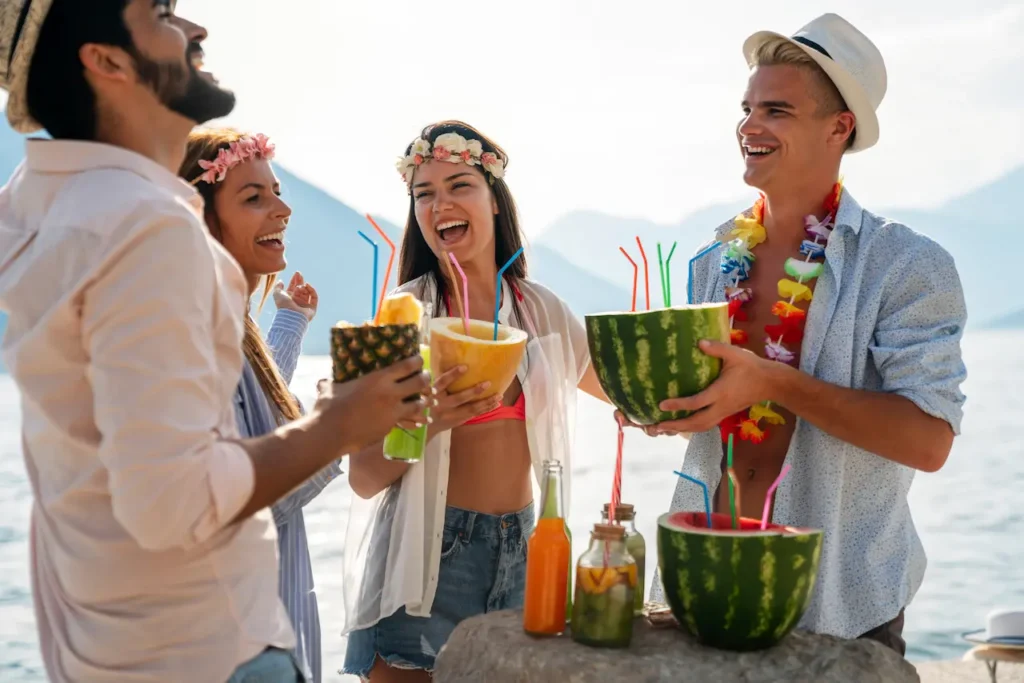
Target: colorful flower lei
[453, 148]
[255, 147]
[737, 260]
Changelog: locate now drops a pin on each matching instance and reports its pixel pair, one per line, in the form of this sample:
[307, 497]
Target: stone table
[493, 648]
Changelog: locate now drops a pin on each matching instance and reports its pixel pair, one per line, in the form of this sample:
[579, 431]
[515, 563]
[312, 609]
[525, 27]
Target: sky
[623, 107]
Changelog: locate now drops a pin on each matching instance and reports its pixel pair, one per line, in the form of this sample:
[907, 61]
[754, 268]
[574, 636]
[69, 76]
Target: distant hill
[323, 243]
[979, 229]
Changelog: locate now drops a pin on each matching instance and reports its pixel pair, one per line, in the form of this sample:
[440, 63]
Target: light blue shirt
[256, 417]
[887, 315]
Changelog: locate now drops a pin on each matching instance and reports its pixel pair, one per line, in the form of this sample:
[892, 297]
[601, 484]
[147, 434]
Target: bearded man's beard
[182, 89]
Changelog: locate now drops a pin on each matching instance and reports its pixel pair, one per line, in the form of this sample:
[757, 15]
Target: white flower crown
[453, 148]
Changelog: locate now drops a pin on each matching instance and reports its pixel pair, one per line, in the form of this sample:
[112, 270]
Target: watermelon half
[737, 590]
[643, 358]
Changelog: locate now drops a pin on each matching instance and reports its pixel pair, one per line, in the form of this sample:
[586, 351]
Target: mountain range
[578, 256]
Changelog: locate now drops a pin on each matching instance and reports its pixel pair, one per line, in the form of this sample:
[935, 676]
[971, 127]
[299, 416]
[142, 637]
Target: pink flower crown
[250, 147]
[454, 149]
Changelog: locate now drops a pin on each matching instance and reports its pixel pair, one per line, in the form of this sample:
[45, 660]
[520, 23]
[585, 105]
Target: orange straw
[647, 279]
[387, 273]
[635, 270]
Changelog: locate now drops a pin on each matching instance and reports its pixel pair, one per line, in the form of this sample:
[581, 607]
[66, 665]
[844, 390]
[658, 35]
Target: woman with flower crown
[435, 542]
[245, 212]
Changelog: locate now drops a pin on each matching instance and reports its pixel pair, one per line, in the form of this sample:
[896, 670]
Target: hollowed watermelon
[737, 590]
[646, 357]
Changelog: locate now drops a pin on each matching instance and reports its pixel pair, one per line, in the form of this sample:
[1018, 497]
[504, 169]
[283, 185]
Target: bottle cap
[624, 512]
[609, 532]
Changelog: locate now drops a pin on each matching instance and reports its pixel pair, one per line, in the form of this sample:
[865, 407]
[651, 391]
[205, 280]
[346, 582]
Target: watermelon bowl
[740, 590]
[645, 357]
[485, 358]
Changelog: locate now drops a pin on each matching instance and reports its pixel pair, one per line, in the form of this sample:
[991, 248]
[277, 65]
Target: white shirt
[124, 337]
[393, 550]
[888, 314]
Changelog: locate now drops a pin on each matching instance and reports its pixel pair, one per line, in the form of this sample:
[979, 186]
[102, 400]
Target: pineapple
[401, 309]
[360, 350]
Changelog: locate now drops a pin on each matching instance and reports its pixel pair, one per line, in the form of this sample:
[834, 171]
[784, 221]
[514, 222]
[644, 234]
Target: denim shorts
[483, 569]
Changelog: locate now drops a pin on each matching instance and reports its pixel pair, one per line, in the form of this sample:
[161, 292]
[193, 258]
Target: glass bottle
[602, 611]
[635, 544]
[548, 554]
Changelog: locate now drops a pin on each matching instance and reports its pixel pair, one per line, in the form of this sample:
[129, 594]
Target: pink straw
[768, 496]
[464, 304]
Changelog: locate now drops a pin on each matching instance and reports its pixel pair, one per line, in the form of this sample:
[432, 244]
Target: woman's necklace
[737, 261]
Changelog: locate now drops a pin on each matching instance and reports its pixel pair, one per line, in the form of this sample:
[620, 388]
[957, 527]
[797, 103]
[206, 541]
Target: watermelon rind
[642, 358]
[737, 590]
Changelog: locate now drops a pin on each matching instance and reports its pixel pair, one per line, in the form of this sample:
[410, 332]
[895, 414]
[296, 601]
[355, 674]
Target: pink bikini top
[517, 411]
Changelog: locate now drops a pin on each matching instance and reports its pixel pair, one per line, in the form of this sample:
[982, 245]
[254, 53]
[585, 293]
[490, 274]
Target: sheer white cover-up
[393, 543]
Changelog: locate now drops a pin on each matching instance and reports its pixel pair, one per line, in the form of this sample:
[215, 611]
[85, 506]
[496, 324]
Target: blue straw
[373, 292]
[497, 293]
[689, 285]
[707, 501]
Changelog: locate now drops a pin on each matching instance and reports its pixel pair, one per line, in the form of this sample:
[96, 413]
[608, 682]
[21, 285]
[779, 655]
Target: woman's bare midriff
[490, 469]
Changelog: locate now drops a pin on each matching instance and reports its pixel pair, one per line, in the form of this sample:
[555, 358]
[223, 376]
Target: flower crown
[255, 147]
[453, 148]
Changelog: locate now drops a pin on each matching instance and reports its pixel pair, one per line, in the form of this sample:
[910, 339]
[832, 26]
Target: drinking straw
[707, 499]
[732, 479]
[373, 292]
[635, 271]
[734, 484]
[464, 299]
[768, 496]
[497, 289]
[391, 261]
[668, 275]
[647, 278]
[617, 479]
[661, 275]
[689, 283]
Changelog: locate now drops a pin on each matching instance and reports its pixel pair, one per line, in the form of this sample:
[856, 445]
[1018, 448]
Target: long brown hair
[204, 145]
[416, 258]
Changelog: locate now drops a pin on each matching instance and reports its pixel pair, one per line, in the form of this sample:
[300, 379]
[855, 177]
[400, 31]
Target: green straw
[732, 494]
[668, 275]
[661, 273]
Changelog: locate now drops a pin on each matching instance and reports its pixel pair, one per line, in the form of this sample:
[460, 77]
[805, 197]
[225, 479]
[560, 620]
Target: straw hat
[852, 62]
[20, 22]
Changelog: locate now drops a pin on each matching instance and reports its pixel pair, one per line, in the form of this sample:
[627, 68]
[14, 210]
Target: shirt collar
[74, 156]
[850, 215]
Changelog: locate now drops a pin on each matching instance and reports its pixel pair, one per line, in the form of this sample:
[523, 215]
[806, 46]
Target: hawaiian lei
[737, 260]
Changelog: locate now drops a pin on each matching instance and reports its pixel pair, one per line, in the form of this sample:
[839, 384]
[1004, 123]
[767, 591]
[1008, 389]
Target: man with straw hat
[154, 557]
[854, 393]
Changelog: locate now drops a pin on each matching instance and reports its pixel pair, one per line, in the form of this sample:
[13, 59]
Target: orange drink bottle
[547, 561]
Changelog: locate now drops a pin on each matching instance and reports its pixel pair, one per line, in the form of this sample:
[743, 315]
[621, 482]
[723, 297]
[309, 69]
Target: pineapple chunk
[401, 309]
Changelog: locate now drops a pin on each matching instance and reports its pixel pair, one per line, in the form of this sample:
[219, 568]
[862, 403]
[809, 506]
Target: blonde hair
[204, 145]
[782, 52]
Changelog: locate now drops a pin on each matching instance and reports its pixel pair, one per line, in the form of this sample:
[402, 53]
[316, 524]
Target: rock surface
[493, 648]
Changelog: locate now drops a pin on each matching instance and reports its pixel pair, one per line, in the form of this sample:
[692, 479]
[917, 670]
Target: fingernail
[430, 420]
[433, 391]
[487, 384]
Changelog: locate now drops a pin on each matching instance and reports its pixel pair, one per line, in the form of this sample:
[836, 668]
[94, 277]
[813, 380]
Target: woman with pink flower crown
[441, 540]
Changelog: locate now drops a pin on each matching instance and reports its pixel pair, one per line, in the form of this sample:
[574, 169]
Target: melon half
[485, 359]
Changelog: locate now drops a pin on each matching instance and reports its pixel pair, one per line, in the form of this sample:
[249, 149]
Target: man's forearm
[287, 457]
[887, 425]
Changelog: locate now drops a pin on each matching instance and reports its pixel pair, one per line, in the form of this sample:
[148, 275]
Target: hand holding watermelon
[746, 379]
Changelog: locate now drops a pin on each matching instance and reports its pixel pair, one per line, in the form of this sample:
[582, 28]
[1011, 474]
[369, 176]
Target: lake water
[970, 515]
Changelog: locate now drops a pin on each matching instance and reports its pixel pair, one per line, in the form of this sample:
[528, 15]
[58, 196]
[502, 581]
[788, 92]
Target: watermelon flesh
[736, 589]
[645, 357]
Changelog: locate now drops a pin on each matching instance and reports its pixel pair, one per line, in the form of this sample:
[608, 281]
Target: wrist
[780, 382]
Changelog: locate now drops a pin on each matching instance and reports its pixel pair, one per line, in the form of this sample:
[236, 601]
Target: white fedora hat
[852, 62]
[20, 22]
[1004, 628]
